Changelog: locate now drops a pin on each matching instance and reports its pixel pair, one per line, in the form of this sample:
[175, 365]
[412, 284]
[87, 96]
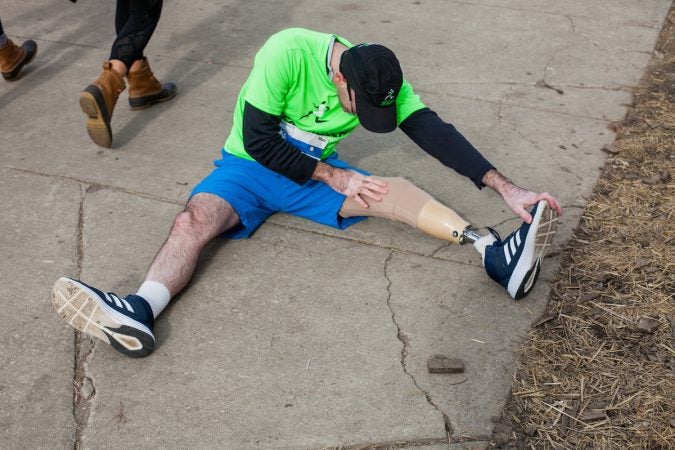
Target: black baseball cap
[374, 73]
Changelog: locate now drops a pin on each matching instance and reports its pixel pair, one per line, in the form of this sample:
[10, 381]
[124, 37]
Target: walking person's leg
[135, 22]
[13, 57]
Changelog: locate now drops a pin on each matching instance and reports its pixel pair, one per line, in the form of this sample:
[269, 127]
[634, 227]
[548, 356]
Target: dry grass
[600, 372]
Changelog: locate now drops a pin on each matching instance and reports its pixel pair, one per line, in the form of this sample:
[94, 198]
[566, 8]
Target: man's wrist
[323, 172]
[496, 181]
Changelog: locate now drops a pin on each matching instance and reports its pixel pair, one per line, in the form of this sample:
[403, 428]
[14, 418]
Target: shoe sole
[98, 122]
[149, 100]
[538, 240]
[80, 307]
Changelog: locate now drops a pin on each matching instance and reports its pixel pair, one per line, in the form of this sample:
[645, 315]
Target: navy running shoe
[515, 262]
[125, 323]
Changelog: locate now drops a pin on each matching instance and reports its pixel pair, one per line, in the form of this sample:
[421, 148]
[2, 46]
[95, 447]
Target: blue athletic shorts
[256, 193]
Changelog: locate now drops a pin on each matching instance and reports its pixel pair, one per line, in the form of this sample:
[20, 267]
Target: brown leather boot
[98, 102]
[145, 89]
[13, 58]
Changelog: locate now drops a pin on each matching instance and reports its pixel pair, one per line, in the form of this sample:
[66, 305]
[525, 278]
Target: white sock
[483, 242]
[156, 294]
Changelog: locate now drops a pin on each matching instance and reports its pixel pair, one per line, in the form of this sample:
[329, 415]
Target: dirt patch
[598, 371]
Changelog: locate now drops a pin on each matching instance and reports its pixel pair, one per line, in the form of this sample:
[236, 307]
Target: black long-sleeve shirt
[441, 140]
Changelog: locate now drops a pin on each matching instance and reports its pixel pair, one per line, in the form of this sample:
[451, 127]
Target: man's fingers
[376, 184]
[360, 201]
[382, 190]
[379, 189]
[552, 202]
[370, 194]
[527, 217]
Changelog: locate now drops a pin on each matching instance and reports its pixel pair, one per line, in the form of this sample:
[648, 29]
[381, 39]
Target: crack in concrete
[361, 241]
[83, 386]
[80, 228]
[503, 102]
[423, 442]
[518, 220]
[467, 439]
[618, 87]
[400, 334]
[94, 186]
[556, 14]
[442, 247]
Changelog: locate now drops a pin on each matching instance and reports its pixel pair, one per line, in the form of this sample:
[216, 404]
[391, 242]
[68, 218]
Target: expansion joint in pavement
[83, 386]
[401, 335]
[93, 186]
[518, 220]
[402, 444]
[80, 229]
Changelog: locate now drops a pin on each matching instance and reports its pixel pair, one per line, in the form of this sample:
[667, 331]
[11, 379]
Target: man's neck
[338, 50]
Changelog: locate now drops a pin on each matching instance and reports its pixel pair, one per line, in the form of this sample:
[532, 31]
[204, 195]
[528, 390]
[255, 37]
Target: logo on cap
[389, 99]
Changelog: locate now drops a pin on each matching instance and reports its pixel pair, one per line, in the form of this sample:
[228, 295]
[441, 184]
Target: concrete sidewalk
[301, 337]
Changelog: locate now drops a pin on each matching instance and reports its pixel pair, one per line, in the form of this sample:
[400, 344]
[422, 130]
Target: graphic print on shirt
[318, 112]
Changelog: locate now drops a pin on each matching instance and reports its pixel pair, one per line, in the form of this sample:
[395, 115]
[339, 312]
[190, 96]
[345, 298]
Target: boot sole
[149, 100]
[98, 122]
[78, 306]
[15, 74]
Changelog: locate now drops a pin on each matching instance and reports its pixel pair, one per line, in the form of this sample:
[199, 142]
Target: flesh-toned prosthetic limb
[409, 204]
[514, 262]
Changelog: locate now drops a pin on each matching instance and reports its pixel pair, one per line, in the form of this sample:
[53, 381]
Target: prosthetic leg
[409, 204]
[513, 262]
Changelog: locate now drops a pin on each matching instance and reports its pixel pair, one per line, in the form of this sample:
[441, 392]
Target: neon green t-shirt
[290, 79]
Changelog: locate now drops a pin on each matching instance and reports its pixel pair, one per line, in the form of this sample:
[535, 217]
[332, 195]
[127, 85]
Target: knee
[205, 217]
[185, 222]
[191, 223]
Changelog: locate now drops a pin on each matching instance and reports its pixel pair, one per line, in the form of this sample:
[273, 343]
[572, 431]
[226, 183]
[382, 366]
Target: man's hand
[351, 183]
[517, 198]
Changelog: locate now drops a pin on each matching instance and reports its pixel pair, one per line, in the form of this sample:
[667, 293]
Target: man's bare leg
[126, 323]
[205, 217]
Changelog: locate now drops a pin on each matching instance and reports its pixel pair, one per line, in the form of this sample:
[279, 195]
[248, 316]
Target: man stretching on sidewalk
[280, 157]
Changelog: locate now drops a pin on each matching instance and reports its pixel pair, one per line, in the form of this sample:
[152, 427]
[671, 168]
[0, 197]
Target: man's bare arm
[351, 183]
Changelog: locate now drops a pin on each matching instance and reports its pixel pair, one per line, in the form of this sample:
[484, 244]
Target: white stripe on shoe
[512, 244]
[115, 299]
[127, 305]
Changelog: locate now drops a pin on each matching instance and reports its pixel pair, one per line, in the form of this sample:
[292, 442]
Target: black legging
[135, 21]
[1, 31]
